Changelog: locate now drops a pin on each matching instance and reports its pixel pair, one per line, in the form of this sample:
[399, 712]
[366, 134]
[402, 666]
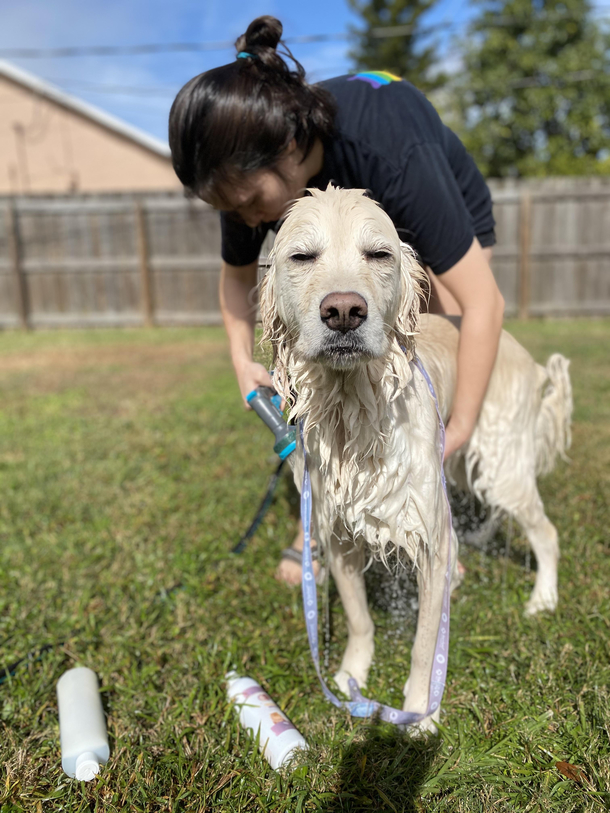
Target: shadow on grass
[493, 538]
[383, 772]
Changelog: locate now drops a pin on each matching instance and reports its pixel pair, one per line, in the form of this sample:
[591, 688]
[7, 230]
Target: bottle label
[280, 722]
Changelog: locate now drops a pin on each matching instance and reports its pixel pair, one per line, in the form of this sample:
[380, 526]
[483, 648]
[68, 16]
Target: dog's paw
[426, 727]
[540, 601]
[356, 662]
[414, 701]
[342, 677]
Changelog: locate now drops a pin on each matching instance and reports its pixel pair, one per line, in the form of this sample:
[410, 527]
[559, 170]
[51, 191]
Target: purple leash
[360, 706]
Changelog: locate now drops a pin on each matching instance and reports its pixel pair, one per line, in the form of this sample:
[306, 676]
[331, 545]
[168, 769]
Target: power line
[178, 47]
[225, 45]
[112, 50]
[154, 48]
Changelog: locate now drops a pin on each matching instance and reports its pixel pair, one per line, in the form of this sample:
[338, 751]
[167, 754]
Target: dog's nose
[343, 311]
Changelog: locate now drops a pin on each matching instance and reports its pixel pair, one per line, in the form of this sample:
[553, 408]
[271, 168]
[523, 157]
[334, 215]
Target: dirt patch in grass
[124, 370]
[76, 358]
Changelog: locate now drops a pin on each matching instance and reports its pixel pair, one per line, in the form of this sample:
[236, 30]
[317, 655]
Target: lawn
[129, 469]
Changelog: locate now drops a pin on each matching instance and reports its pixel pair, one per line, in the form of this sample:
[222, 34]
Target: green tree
[406, 54]
[534, 98]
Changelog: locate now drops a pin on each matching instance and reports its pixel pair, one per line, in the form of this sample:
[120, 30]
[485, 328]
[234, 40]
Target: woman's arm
[238, 301]
[472, 285]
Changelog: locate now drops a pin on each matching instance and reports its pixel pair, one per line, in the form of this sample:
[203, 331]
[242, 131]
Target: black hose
[263, 508]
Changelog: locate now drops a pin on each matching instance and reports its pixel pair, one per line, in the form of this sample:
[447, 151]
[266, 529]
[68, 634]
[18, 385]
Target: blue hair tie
[244, 55]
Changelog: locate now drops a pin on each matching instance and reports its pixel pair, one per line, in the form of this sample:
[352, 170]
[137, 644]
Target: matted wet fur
[370, 424]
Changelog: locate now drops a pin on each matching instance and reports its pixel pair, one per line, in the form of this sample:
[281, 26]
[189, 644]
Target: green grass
[127, 466]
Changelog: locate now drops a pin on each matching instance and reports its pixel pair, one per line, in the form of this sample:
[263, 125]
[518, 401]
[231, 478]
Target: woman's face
[263, 196]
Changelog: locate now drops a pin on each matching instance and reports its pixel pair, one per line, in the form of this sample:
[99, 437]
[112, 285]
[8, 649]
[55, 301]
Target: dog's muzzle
[343, 313]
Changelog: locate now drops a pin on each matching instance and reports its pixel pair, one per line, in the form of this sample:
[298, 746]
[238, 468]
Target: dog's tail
[553, 434]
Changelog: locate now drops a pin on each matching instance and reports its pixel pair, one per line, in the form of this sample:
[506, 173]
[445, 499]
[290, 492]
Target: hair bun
[262, 33]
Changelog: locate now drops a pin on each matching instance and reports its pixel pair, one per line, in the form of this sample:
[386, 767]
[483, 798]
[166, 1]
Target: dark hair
[240, 117]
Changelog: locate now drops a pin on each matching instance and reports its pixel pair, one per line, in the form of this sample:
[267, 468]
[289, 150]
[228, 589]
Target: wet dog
[340, 306]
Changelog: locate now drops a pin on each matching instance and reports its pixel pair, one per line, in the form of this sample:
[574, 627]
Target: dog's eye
[377, 255]
[303, 258]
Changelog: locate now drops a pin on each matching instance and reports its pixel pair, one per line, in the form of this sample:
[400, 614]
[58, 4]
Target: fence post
[525, 237]
[21, 297]
[148, 307]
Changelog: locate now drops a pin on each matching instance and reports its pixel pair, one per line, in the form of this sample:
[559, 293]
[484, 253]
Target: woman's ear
[275, 331]
[414, 292]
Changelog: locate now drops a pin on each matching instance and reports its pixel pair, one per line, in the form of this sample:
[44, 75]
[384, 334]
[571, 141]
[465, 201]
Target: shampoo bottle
[82, 726]
[278, 738]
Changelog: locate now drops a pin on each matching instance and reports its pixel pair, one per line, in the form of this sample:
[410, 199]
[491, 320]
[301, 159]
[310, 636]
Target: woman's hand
[456, 435]
[251, 375]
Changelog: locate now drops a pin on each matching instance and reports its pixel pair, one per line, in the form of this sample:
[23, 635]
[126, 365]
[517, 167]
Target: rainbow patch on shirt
[376, 78]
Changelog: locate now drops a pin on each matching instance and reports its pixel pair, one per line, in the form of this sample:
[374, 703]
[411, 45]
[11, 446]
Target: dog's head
[342, 289]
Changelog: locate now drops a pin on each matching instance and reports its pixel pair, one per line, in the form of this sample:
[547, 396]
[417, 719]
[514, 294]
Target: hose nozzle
[266, 403]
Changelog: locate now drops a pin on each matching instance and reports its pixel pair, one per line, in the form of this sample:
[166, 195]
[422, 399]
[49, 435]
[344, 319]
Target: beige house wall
[47, 148]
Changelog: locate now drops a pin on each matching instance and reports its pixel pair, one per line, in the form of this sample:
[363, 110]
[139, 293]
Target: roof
[43, 88]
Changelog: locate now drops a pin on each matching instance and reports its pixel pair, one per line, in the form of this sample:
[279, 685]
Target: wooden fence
[553, 250]
[108, 260]
[154, 259]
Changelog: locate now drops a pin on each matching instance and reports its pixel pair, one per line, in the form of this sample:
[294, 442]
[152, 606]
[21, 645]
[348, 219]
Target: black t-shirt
[390, 140]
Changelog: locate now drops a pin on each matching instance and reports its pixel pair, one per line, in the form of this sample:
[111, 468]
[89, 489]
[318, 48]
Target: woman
[249, 137]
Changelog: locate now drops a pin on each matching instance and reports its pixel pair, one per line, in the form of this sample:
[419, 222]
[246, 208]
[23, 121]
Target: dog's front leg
[347, 566]
[432, 571]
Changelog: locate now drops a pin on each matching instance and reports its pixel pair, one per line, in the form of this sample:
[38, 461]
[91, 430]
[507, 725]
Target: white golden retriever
[340, 305]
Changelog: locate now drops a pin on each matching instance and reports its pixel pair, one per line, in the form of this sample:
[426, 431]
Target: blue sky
[140, 89]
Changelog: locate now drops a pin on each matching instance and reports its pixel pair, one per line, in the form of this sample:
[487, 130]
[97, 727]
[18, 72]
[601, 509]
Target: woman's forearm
[238, 300]
[472, 285]
[238, 307]
[479, 336]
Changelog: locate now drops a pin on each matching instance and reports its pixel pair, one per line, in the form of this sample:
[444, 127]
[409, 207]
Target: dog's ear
[414, 291]
[275, 331]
